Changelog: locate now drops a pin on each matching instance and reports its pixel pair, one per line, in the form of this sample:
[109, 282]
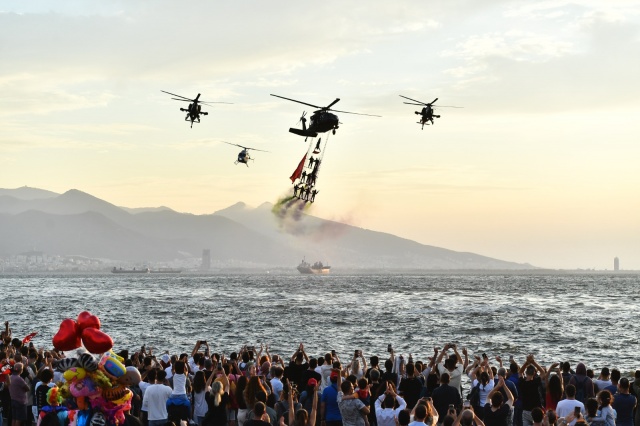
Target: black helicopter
[320, 121]
[243, 156]
[195, 107]
[427, 111]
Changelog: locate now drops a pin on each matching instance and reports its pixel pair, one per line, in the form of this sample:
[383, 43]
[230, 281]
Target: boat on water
[130, 271]
[317, 268]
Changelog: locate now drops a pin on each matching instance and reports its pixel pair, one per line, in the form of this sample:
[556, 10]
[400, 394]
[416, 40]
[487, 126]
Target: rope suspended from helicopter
[308, 170]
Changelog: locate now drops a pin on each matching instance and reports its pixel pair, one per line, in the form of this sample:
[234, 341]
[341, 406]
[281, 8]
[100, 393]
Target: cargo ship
[130, 271]
[317, 268]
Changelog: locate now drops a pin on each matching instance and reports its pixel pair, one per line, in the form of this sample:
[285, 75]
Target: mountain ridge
[79, 223]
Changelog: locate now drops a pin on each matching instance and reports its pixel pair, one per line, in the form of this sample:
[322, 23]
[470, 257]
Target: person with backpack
[582, 383]
[482, 381]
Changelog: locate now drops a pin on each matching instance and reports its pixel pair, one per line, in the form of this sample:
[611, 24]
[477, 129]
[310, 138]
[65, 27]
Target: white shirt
[566, 407]
[455, 376]
[387, 416]
[155, 401]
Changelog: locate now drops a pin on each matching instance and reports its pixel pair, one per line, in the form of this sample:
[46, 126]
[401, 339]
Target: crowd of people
[252, 387]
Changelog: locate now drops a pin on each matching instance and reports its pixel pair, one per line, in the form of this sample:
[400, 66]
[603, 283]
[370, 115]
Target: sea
[593, 318]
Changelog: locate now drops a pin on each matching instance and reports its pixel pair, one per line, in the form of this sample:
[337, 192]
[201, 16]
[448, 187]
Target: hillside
[77, 223]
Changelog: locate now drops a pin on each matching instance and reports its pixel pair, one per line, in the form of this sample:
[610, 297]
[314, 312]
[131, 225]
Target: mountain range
[77, 223]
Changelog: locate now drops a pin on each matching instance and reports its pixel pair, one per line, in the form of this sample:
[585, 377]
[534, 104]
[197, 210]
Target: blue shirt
[330, 399]
[623, 403]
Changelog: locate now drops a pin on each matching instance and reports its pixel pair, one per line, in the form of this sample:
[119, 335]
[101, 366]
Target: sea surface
[593, 318]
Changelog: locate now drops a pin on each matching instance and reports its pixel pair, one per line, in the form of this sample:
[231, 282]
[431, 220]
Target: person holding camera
[496, 411]
[452, 365]
[388, 405]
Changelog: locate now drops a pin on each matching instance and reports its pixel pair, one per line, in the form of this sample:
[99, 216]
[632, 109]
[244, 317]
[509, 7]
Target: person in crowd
[497, 412]
[410, 387]
[445, 396]
[19, 391]
[624, 403]
[582, 383]
[554, 387]
[467, 417]
[330, 414]
[387, 406]
[352, 410]
[155, 399]
[529, 388]
[260, 416]
[615, 379]
[452, 366]
[568, 405]
[603, 380]
[217, 400]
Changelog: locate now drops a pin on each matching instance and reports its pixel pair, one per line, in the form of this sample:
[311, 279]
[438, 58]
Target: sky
[540, 165]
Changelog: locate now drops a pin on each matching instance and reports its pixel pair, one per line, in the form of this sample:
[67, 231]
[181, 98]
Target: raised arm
[466, 358]
[550, 369]
[196, 348]
[292, 414]
[314, 410]
[458, 357]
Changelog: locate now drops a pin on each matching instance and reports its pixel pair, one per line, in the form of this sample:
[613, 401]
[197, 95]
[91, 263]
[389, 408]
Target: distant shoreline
[341, 271]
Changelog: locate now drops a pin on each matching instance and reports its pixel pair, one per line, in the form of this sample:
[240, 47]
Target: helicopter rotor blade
[448, 106]
[183, 100]
[293, 100]
[244, 147]
[432, 102]
[209, 103]
[180, 96]
[414, 100]
[356, 113]
[235, 144]
[332, 103]
[254, 149]
[411, 103]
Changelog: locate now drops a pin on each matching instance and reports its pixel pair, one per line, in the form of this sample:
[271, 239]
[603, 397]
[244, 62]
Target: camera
[389, 348]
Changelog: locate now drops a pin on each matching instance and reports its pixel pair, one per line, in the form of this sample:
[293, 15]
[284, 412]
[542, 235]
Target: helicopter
[427, 111]
[320, 121]
[195, 107]
[243, 156]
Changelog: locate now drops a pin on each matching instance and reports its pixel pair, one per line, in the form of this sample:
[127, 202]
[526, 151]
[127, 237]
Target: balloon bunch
[96, 389]
[85, 330]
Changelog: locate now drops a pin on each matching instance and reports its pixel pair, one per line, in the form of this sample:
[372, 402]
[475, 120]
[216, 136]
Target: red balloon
[67, 337]
[96, 341]
[87, 320]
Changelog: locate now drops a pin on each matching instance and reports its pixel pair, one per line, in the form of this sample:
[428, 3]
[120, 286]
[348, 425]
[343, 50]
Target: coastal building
[616, 264]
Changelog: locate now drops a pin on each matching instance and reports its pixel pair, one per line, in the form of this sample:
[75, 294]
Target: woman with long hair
[217, 400]
[243, 410]
[554, 388]
[200, 389]
[253, 387]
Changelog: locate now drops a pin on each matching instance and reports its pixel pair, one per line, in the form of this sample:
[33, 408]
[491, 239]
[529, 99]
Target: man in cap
[329, 410]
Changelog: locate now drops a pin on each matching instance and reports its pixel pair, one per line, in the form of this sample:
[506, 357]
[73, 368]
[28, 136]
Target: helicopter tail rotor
[303, 120]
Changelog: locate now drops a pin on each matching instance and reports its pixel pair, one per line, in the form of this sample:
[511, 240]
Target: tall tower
[616, 264]
[206, 260]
